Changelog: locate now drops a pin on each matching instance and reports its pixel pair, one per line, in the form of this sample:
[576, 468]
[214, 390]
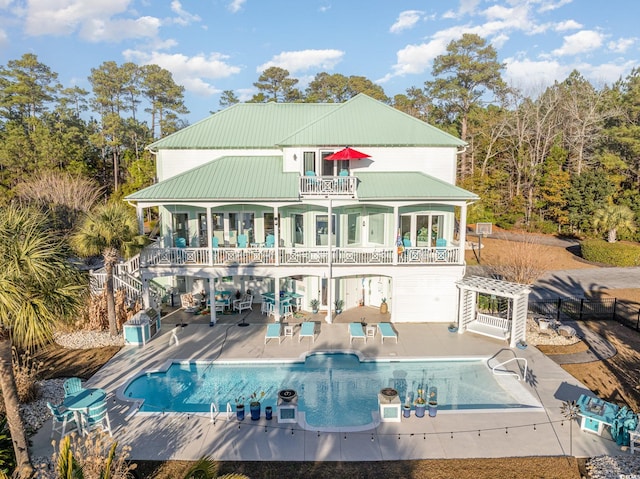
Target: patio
[452, 434]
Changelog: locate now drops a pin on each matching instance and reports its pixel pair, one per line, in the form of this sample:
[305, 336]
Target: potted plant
[240, 408]
[254, 404]
[420, 403]
[433, 401]
[314, 303]
[522, 344]
[338, 303]
[406, 409]
[453, 328]
[384, 307]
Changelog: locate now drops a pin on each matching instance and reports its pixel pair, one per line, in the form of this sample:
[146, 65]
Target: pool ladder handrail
[510, 373]
[213, 409]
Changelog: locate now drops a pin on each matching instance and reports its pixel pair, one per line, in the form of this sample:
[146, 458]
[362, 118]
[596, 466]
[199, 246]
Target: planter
[240, 412]
[384, 308]
[287, 395]
[453, 329]
[521, 345]
[420, 409]
[406, 411]
[433, 408]
[268, 413]
[255, 411]
[314, 311]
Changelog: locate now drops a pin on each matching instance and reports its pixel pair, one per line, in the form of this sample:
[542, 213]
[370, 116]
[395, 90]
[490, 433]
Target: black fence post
[559, 308]
[581, 306]
[615, 303]
[638, 320]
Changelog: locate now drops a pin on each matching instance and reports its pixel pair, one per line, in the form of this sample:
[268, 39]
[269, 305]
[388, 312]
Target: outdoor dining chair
[72, 386]
[96, 417]
[63, 421]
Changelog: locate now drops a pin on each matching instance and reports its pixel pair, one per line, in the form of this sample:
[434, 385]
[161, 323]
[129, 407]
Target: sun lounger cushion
[356, 331]
[307, 328]
[273, 331]
[386, 331]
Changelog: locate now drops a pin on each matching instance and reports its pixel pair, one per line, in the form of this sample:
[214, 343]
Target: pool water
[334, 390]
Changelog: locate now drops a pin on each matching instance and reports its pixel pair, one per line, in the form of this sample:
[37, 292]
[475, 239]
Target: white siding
[424, 297]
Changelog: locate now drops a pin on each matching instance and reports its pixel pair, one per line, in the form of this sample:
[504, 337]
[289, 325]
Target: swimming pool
[334, 389]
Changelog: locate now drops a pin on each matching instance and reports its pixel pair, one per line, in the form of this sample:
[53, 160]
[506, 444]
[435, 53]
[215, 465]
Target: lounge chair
[273, 331]
[307, 329]
[356, 332]
[386, 331]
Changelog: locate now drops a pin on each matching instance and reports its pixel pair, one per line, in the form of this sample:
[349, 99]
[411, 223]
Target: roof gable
[408, 185]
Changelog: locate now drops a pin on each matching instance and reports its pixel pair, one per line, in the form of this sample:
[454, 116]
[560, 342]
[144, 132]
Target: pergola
[513, 327]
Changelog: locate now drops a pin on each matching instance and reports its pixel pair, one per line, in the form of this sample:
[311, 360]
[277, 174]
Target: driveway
[575, 282]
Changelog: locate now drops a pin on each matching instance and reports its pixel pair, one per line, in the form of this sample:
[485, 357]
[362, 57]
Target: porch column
[209, 236]
[463, 231]
[212, 299]
[396, 228]
[329, 317]
[276, 235]
[146, 295]
[140, 216]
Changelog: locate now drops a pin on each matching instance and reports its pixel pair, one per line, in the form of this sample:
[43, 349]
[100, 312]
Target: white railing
[495, 321]
[328, 185]
[506, 372]
[289, 256]
[131, 266]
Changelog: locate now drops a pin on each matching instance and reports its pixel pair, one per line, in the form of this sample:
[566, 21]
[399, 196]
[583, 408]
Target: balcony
[155, 256]
[328, 186]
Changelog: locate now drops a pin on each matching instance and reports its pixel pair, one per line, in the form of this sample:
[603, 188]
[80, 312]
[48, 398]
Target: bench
[491, 326]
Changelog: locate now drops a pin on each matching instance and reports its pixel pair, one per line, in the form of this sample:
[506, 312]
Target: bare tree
[521, 260]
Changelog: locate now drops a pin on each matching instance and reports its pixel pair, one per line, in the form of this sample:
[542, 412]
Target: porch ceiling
[504, 289]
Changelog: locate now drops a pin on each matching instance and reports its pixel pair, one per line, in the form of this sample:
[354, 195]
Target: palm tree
[106, 230]
[612, 219]
[38, 287]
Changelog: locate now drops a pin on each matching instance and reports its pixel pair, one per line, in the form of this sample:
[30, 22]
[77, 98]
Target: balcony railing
[296, 256]
[328, 186]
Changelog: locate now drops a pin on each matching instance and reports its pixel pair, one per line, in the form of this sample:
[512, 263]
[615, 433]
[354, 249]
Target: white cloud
[245, 94]
[406, 20]
[583, 41]
[567, 25]
[4, 39]
[191, 72]
[236, 5]
[622, 44]
[304, 60]
[551, 5]
[184, 18]
[97, 30]
[324, 8]
[607, 72]
[414, 59]
[527, 74]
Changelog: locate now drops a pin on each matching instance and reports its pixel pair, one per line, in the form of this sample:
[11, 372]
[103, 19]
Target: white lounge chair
[386, 331]
[307, 330]
[356, 332]
[274, 330]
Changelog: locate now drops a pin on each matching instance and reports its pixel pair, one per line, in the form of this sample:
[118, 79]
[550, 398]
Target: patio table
[80, 401]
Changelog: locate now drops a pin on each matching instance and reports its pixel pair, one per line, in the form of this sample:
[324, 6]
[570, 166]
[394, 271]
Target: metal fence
[586, 309]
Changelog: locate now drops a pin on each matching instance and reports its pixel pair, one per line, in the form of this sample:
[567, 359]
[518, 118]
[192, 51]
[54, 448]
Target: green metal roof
[245, 125]
[360, 121]
[408, 185]
[227, 178]
[260, 178]
[363, 121]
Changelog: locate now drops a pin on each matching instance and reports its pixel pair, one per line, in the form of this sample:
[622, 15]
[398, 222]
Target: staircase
[126, 276]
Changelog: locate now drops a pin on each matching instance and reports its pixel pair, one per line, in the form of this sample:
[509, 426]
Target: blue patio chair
[270, 241]
[309, 173]
[343, 172]
[215, 242]
[406, 242]
[386, 331]
[62, 420]
[307, 329]
[72, 386]
[242, 241]
[441, 249]
[273, 332]
[181, 242]
[96, 417]
[356, 332]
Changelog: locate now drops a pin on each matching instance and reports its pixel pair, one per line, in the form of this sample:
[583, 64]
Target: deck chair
[61, 421]
[441, 249]
[270, 241]
[181, 242]
[96, 417]
[307, 329]
[215, 242]
[386, 331]
[356, 332]
[72, 386]
[273, 331]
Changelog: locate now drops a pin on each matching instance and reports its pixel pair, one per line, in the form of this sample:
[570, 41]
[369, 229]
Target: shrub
[25, 371]
[614, 254]
[521, 261]
[7, 461]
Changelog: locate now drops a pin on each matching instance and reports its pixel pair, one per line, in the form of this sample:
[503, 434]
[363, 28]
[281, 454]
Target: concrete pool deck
[541, 432]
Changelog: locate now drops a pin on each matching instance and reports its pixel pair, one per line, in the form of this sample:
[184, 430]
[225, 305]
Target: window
[241, 223]
[298, 229]
[268, 224]
[309, 161]
[327, 165]
[353, 228]
[322, 230]
[181, 227]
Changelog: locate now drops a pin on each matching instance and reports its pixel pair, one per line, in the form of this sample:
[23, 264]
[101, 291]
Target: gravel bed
[88, 339]
[613, 467]
[534, 337]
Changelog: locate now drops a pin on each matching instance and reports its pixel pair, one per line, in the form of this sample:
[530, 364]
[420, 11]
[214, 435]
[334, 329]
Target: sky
[216, 45]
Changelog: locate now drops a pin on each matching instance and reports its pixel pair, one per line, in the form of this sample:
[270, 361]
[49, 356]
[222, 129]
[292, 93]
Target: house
[248, 200]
